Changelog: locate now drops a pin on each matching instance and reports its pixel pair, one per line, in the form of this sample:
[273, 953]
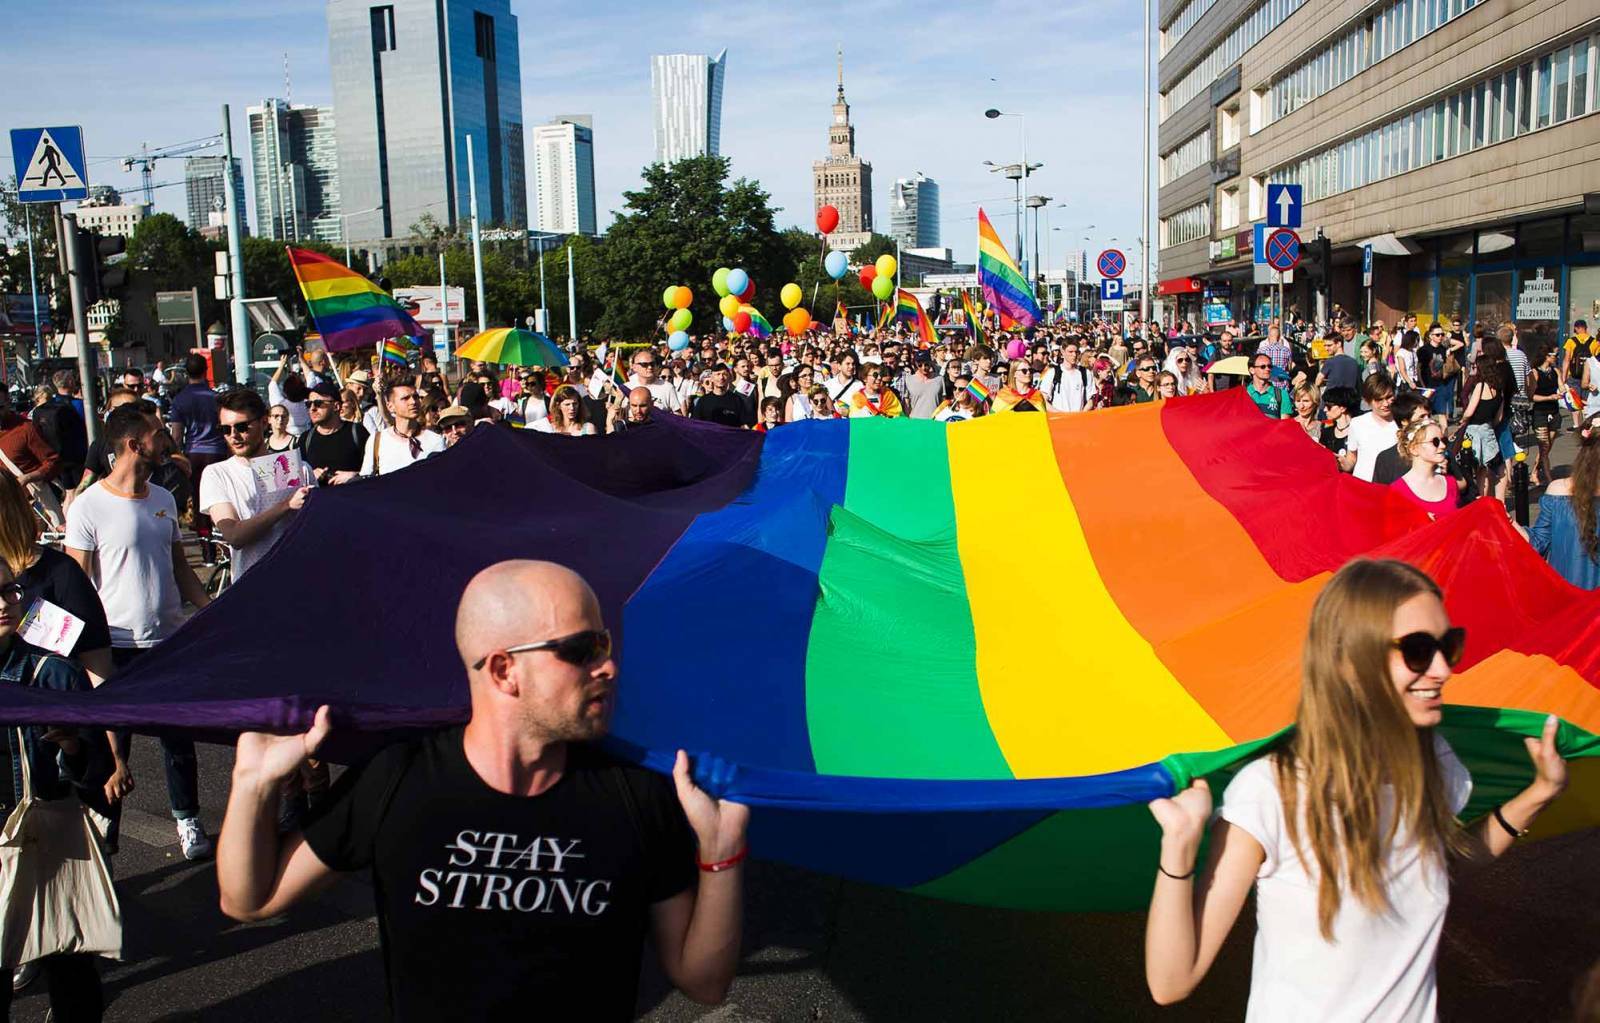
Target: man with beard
[516, 863]
[332, 448]
[250, 518]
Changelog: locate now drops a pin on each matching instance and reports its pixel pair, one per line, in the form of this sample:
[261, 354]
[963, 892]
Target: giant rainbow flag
[1004, 288]
[349, 310]
[870, 670]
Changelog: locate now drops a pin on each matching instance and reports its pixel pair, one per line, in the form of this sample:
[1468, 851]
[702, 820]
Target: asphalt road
[1519, 936]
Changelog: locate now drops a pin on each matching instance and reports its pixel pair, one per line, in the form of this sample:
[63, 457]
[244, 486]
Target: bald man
[636, 412]
[516, 867]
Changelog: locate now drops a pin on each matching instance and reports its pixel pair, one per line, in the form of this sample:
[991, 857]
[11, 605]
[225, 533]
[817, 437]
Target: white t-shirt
[1369, 437]
[1380, 966]
[396, 451]
[230, 481]
[534, 409]
[546, 426]
[1406, 359]
[1073, 393]
[131, 539]
[662, 393]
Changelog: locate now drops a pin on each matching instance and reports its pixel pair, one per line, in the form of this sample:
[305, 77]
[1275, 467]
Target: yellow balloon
[886, 265]
[729, 305]
[791, 295]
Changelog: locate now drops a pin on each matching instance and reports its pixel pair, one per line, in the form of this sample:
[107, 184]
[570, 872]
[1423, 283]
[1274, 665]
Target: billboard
[424, 305]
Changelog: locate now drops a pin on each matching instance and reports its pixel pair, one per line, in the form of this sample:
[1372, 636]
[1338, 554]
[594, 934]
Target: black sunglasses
[11, 593]
[240, 428]
[1261, 365]
[1417, 649]
[580, 648]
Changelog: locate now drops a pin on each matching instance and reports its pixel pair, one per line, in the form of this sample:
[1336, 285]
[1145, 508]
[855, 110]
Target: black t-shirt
[494, 906]
[339, 451]
[1388, 467]
[727, 408]
[58, 579]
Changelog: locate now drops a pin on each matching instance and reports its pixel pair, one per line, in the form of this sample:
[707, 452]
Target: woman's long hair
[1357, 771]
[558, 418]
[1190, 382]
[1585, 481]
[19, 526]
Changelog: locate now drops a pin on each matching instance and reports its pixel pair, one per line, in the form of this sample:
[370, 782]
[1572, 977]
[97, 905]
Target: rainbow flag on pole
[974, 318]
[976, 388]
[349, 310]
[1003, 285]
[758, 323]
[907, 308]
[394, 351]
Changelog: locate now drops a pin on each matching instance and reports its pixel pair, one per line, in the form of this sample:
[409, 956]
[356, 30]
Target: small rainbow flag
[974, 318]
[348, 309]
[977, 390]
[907, 308]
[758, 323]
[1003, 285]
[614, 369]
[394, 351]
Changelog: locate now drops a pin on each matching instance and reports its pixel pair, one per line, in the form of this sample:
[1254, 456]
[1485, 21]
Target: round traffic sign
[1111, 263]
[1283, 250]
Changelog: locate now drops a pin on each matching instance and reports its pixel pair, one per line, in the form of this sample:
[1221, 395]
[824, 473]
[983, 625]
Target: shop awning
[1180, 286]
[1389, 245]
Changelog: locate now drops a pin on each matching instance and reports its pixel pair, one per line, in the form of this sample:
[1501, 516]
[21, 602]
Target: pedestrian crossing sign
[49, 164]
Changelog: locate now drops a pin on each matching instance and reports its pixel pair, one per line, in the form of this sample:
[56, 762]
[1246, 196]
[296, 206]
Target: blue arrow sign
[1283, 205]
[49, 164]
[1110, 289]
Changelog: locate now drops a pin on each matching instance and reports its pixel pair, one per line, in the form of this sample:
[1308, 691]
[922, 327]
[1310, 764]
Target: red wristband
[721, 865]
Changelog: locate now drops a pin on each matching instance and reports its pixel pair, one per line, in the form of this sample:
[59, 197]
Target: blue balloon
[727, 323]
[678, 341]
[837, 264]
[738, 280]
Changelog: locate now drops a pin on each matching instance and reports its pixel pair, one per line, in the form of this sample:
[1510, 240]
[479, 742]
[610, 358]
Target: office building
[1076, 263]
[686, 104]
[294, 167]
[563, 161]
[202, 180]
[412, 81]
[914, 212]
[844, 180]
[111, 218]
[1453, 138]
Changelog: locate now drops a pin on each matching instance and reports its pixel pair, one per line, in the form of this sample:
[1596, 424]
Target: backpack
[1055, 383]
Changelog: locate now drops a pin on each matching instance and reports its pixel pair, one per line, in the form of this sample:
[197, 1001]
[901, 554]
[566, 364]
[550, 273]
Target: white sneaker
[24, 975]
[193, 839]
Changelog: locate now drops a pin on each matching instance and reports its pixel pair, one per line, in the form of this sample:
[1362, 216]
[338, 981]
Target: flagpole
[477, 243]
[572, 301]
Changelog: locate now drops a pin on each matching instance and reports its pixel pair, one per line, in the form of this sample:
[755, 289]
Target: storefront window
[1540, 239]
[1493, 305]
[1538, 307]
[1420, 302]
[1455, 252]
[1583, 297]
[1453, 300]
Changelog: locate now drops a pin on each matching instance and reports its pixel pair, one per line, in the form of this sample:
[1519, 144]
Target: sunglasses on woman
[11, 593]
[580, 649]
[1417, 649]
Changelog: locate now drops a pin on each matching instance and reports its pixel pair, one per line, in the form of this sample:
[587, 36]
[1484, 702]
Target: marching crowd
[1436, 414]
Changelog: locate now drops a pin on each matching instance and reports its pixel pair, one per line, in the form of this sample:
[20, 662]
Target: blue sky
[918, 79]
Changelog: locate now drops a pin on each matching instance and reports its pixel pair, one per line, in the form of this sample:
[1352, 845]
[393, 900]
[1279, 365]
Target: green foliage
[871, 249]
[683, 224]
[510, 292]
[268, 273]
[821, 291]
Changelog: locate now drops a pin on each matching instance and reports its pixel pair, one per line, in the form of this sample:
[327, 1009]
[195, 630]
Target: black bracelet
[1175, 877]
[1500, 819]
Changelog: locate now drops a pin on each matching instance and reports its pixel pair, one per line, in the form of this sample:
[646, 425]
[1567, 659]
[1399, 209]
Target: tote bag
[44, 500]
[56, 894]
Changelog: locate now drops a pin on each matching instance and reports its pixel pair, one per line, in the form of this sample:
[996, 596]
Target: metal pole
[477, 244]
[199, 328]
[87, 371]
[344, 222]
[1144, 186]
[572, 300]
[544, 310]
[33, 285]
[444, 303]
[241, 329]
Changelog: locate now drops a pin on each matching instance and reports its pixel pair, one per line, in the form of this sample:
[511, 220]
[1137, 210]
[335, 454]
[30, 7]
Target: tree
[509, 293]
[822, 293]
[269, 274]
[678, 229]
[869, 250]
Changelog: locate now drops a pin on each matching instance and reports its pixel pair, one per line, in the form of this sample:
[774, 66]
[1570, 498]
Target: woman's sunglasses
[11, 593]
[581, 648]
[1417, 649]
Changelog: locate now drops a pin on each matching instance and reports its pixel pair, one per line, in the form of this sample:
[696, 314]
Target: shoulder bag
[44, 500]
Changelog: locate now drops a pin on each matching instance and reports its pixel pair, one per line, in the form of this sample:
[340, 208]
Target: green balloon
[666, 296]
[681, 320]
[882, 287]
[719, 280]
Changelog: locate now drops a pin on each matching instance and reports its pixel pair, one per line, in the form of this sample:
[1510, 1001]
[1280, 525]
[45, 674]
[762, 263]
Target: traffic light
[103, 275]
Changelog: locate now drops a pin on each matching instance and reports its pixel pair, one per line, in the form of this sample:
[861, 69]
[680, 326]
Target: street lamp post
[344, 227]
[1023, 171]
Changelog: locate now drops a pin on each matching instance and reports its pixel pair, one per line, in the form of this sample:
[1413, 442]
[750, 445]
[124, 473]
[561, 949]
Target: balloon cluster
[736, 288]
[878, 277]
[677, 298]
[797, 320]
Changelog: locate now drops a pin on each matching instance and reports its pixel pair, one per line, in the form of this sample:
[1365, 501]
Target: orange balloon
[797, 321]
[682, 297]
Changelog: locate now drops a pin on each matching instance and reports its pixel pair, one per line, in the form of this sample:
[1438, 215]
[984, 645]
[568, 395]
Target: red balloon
[741, 323]
[749, 292]
[827, 219]
[868, 272]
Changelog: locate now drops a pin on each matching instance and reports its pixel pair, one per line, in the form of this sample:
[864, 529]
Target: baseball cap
[325, 389]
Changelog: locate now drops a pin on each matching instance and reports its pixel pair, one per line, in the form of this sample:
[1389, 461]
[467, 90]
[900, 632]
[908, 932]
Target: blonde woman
[1307, 404]
[1183, 365]
[1347, 829]
[567, 414]
[1426, 483]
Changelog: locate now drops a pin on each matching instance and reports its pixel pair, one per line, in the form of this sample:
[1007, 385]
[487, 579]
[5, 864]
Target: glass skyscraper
[564, 169]
[686, 103]
[412, 79]
[295, 170]
[202, 182]
[914, 213]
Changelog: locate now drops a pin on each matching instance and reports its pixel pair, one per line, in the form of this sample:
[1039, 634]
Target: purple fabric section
[355, 607]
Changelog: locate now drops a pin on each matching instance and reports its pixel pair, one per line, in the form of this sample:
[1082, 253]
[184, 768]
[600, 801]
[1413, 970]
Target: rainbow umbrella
[512, 346]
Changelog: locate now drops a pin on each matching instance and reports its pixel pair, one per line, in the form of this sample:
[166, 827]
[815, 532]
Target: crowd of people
[101, 531]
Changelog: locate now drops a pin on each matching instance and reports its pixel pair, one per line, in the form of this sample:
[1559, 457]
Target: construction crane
[145, 159]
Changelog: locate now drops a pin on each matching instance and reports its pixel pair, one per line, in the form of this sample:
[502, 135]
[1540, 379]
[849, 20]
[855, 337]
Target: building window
[1265, 17]
[1191, 153]
[1258, 198]
[1186, 225]
[1230, 127]
[1188, 14]
[382, 29]
[1228, 207]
